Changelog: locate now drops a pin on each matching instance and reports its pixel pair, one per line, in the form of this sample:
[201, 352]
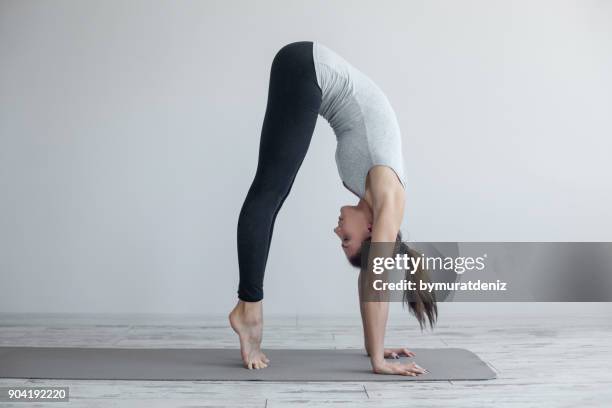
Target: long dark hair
[422, 304]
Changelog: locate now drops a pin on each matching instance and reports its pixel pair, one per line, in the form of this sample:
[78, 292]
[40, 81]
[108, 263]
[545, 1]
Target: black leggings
[294, 98]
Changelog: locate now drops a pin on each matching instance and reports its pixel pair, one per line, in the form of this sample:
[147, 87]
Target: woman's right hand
[409, 369]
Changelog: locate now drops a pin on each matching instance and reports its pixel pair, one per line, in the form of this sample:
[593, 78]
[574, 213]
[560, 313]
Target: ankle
[251, 312]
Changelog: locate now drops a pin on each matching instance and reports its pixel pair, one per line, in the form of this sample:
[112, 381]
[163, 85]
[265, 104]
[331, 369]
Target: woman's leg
[291, 114]
[294, 98]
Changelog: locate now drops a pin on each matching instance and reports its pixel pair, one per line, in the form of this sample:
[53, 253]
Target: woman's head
[421, 303]
[354, 227]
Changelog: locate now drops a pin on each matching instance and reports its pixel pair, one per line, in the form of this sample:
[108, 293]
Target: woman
[308, 79]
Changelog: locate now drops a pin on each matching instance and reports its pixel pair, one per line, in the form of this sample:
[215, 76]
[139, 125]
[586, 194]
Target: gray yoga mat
[224, 364]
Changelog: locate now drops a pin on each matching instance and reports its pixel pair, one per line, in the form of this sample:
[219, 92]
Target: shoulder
[384, 186]
[382, 176]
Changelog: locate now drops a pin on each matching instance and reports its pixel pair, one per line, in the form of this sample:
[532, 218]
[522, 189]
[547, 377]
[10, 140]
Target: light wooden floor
[563, 361]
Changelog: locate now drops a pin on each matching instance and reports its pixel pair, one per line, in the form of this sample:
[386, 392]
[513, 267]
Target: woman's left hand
[398, 352]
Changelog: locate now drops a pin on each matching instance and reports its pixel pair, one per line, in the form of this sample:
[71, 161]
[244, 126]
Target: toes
[256, 360]
[265, 358]
[256, 364]
[259, 364]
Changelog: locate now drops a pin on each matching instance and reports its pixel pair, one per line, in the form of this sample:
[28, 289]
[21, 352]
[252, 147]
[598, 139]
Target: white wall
[129, 133]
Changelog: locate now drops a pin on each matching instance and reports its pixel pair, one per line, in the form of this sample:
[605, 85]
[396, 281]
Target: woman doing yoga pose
[307, 79]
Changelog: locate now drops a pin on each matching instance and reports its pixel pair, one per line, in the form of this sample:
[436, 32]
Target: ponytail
[421, 304]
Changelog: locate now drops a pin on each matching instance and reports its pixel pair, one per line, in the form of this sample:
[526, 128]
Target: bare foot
[247, 321]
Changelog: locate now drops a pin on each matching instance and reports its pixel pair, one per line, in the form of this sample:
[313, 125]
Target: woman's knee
[267, 189]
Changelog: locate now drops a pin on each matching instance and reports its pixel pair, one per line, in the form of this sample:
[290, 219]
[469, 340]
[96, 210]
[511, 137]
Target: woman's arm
[387, 196]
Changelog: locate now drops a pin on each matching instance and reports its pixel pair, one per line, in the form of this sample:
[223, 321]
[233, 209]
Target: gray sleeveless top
[362, 119]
